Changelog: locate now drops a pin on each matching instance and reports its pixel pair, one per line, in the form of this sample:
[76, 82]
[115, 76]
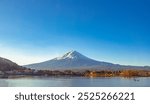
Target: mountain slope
[75, 60]
[7, 65]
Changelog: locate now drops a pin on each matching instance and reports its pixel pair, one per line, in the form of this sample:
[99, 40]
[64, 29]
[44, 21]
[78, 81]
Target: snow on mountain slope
[70, 60]
[72, 55]
[75, 60]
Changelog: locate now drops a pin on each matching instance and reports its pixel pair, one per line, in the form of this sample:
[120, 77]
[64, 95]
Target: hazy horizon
[113, 31]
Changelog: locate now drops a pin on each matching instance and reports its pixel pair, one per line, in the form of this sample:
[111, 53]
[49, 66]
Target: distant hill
[7, 65]
[73, 60]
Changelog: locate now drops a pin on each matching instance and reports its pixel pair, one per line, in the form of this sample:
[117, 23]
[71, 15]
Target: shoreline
[66, 76]
[71, 73]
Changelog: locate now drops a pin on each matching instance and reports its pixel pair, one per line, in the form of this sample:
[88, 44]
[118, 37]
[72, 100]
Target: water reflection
[3, 83]
[75, 82]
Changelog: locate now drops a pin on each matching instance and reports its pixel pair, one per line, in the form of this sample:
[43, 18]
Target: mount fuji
[73, 60]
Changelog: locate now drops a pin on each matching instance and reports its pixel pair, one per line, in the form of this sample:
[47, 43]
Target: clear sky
[116, 31]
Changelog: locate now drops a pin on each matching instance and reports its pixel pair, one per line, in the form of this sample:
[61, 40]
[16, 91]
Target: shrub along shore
[86, 73]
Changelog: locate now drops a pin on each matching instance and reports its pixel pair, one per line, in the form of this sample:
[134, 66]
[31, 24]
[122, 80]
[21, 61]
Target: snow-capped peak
[73, 60]
[71, 55]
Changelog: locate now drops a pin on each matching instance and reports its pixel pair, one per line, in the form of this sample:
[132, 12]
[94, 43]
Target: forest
[75, 73]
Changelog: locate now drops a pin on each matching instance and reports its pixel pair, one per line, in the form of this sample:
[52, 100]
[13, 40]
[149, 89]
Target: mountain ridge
[8, 65]
[74, 60]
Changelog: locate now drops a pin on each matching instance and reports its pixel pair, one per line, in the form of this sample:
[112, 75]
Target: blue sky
[116, 31]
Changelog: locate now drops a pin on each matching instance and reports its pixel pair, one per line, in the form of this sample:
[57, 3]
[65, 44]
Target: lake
[75, 82]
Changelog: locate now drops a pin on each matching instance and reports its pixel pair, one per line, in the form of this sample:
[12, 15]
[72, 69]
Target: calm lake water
[75, 82]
